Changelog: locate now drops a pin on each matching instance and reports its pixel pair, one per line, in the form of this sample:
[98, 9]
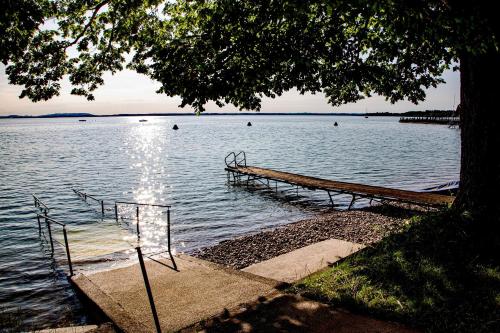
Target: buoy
[335, 124]
[249, 124]
[175, 127]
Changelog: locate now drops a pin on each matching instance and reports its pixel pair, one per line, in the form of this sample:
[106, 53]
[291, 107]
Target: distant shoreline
[192, 114]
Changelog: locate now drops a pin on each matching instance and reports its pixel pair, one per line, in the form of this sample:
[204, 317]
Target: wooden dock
[450, 121]
[236, 166]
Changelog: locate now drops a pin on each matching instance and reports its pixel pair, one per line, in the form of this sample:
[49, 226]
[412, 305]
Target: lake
[121, 158]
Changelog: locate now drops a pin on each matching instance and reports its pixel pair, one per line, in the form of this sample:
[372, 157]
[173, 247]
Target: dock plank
[360, 190]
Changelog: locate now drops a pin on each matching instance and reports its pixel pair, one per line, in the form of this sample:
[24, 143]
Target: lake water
[124, 159]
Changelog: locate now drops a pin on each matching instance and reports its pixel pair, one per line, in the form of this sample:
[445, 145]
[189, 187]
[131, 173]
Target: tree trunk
[480, 133]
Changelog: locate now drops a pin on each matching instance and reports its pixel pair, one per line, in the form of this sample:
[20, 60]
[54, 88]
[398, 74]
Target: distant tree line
[426, 113]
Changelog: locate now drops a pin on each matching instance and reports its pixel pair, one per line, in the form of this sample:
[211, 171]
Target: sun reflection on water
[145, 148]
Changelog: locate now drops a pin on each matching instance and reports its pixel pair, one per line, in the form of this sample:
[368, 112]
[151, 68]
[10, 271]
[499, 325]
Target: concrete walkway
[205, 297]
[197, 291]
[295, 265]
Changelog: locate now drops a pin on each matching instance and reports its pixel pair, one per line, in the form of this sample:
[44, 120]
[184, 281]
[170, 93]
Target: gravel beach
[360, 226]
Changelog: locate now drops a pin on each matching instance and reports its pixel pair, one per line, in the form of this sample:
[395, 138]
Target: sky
[129, 92]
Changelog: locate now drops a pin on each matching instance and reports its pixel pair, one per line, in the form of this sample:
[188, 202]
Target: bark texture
[479, 191]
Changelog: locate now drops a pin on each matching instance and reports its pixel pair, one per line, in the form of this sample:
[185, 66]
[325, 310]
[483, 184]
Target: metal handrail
[242, 160]
[85, 196]
[51, 219]
[235, 159]
[39, 203]
[141, 204]
[137, 204]
[48, 220]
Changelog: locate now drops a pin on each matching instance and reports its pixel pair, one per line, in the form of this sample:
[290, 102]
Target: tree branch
[89, 23]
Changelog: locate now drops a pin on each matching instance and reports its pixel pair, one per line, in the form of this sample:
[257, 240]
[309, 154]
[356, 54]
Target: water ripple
[122, 159]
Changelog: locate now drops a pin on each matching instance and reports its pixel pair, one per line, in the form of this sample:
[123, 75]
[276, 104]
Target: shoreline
[364, 226]
[169, 114]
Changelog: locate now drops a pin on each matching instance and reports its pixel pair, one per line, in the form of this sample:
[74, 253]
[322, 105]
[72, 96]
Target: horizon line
[256, 113]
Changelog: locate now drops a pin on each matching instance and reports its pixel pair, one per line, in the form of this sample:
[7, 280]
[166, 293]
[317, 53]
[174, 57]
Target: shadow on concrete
[170, 256]
[292, 313]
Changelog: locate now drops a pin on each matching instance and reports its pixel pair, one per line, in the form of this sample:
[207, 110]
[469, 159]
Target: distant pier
[451, 121]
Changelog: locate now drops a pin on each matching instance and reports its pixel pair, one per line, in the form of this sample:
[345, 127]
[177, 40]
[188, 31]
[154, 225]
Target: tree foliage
[237, 51]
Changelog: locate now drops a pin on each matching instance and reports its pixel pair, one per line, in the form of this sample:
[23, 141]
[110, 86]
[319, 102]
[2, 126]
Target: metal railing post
[148, 290]
[137, 213]
[50, 233]
[102, 207]
[39, 225]
[116, 212]
[168, 230]
[67, 252]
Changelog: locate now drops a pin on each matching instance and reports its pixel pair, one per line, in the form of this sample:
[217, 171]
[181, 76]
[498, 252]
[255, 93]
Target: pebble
[364, 226]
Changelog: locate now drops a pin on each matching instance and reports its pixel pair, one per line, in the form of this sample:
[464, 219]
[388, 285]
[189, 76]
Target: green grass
[438, 274]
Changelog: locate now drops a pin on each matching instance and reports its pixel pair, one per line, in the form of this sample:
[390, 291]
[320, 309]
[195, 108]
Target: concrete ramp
[295, 265]
[198, 290]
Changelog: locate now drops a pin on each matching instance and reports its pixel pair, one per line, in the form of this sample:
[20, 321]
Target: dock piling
[352, 202]
[331, 199]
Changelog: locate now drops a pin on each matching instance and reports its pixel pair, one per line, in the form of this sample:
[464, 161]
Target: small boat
[366, 116]
[143, 120]
[82, 119]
